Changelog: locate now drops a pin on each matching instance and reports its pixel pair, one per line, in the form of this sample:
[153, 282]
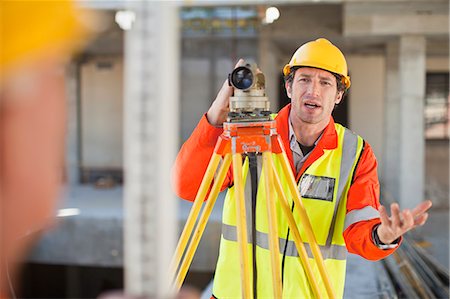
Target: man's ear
[288, 86]
[339, 97]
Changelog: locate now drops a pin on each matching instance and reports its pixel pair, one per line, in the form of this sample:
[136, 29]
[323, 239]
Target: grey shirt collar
[297, 154]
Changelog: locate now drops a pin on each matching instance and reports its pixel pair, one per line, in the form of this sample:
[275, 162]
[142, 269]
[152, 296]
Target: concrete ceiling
[351, 25]
[110, 37]
[303, 22]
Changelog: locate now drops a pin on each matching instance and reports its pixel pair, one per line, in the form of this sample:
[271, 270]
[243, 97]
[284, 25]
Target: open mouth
[312, 105]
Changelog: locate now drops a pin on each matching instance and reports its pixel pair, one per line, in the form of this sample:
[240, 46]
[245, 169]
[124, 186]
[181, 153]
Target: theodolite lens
[242, 78]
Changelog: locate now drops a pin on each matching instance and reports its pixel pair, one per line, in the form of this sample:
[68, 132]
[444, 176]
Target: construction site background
[390, 52]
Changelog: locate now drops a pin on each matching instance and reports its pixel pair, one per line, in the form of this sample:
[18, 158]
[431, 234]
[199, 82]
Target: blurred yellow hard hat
[29, 29]
[321, 54]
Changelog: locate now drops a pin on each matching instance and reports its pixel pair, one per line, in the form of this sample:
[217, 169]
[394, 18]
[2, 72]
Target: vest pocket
[317, 187]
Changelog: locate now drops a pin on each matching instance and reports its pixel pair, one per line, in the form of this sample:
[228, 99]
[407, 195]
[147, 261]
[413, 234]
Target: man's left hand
[391, 228]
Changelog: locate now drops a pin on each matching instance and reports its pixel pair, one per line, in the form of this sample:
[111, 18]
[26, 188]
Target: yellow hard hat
[321, 54]
[30, 29]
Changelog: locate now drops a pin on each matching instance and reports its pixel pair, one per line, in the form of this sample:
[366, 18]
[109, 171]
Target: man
[37, 39]
[345, 216]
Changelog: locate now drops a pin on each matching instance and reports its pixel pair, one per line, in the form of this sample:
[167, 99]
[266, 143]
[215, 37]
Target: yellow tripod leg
[195, 210]
[303, 255]
[307, 225]
[241, 226]
[200, 227]
[274, 245]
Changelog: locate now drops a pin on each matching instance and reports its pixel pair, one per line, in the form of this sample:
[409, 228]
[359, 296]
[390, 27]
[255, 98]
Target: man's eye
[304, 80]
[328, 83]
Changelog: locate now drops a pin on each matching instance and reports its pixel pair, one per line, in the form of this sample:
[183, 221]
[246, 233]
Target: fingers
[407, 220]
[240, 61]
[223, 97]
[419, 213]
[395, 215]
[227, 90]
[217, 113]
[422, 208]
[418, 221]
[401, 221]
[384, 216]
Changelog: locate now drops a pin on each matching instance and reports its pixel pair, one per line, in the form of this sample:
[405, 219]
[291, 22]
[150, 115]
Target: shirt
[297, 154]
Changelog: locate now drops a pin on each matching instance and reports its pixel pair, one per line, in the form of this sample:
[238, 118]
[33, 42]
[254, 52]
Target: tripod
[237, 139]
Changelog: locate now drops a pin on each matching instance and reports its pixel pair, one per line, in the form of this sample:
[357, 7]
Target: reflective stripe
[333, 251]
[349, 149]
[336, 252]
[365, 213]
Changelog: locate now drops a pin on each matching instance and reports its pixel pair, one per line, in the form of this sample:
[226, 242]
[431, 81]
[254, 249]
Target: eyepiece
[241, 78]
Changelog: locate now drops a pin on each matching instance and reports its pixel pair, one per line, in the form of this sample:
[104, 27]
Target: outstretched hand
[400, 222]
[218, 112]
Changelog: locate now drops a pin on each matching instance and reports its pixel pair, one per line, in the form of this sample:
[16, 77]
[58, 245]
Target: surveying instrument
[250, 131]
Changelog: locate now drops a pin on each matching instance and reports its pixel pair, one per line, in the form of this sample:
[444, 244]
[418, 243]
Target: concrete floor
[361, 274]
[361, 278]
[435, 233]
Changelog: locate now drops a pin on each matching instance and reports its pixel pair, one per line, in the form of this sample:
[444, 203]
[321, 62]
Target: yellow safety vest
[323, 187]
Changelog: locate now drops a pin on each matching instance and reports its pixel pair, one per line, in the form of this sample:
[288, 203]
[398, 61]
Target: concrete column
[151, 138]
[390, 166]
[412, 144]
[72, 98]
[268, 63]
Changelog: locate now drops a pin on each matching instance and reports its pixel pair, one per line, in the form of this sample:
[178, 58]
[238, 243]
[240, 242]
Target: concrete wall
[199, 88]
[193, 98]
[437, 172]
[367, 73]
[205, 65]
[437, 64]
[437, 179]
[102, 112]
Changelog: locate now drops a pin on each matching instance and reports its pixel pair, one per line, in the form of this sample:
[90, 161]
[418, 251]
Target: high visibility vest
[323, 187]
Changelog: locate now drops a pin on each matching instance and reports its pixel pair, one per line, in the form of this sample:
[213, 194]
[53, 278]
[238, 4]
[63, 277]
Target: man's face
[313, 95]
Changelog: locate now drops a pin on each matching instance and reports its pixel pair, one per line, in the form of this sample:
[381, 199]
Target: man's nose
[314, 88]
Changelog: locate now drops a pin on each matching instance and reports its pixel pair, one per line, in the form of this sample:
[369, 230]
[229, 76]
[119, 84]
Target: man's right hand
[218, 112]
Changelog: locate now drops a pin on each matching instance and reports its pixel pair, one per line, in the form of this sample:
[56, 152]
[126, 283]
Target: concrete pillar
[72, 143]
[151, 139]
[390, 166]
[268, 63]
[412, 53]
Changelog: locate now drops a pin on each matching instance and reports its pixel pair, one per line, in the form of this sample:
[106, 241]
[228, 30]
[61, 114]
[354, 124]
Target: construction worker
[346, 215]
[36, 40]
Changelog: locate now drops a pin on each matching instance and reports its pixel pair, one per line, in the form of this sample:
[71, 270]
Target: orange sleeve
[193, 158]
[364, 192]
